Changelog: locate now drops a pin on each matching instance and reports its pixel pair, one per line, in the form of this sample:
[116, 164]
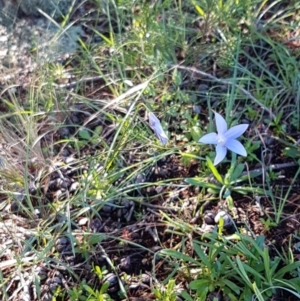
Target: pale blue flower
[225, 139]
[157, 128]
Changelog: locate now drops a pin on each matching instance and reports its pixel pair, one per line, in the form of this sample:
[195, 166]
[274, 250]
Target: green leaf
[230, 203]
[258, 294]
[202, 287]
[199, 10]
[246, 177]
[253, 190]
[295, 282]
[237, 172]
[196, 132]
[232, 286]
[109, 41]
[201, 255]
[96, 238]
[84, 134]
[254, 272]
[230, 171]
[104, 287]
[89, 290]
[179, 255]
[232, 297]
[291, 152]
[199, 284]
[214, 170]
[287, 269]
[200, 182]
[266, 257]
[241, 270]
[186, 296]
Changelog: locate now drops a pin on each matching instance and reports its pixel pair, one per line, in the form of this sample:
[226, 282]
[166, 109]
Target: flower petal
[236, 131]
[162, 137]
[210, 138]
[153, 120]
[236, 147]
[221, 124]
[221, 152]
[157, 128]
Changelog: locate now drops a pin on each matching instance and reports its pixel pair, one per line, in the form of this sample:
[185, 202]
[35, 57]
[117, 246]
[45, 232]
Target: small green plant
[261, 275]
[85, 292]
[238, 265]
[268, 223]
[232, 181]
[166, 294]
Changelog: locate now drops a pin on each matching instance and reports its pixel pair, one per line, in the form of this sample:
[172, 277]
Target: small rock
[196, 109]
[62, 244]
[145, 278]
[54, 283]
[209, 218]
[96, 225]
[69, 160]
[83, 221]
[203, 87]
[125, 264]
[207, 228]
[108, 207]
[74, 186]
[112, 280]
[226, 217]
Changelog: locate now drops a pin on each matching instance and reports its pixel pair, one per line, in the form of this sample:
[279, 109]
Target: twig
[271, 167]
[226, 82]
[12, 262]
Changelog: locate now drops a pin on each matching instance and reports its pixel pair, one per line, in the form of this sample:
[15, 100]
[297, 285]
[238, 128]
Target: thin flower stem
[226, 82]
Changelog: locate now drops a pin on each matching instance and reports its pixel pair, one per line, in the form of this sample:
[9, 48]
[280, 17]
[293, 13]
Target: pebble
[112, 280]
[83, 221]
[62, 244]
[108, 207]
[226, 217]
[209, 218]
[74, 186]
[203, 87]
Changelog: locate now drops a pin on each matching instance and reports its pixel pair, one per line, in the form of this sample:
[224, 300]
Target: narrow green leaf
[214, 170]
[257, 292]
[237, 172]
[228, 175]
[199, 284]
[254, 272]
[232, 297]
[201, 255]
[201, 183]
[84, 134]
[104, 287]
[199, 10]
[89, 289]
[242, 271]
[186, 296]
[295, 283]
[266, 260]
[232, 286]
[287, 269]
[109, 41]
[179, 255]
[230, 203]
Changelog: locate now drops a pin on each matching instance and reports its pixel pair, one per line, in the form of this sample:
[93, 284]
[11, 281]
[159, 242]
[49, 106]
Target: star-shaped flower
[157, 128]
[225, 139]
